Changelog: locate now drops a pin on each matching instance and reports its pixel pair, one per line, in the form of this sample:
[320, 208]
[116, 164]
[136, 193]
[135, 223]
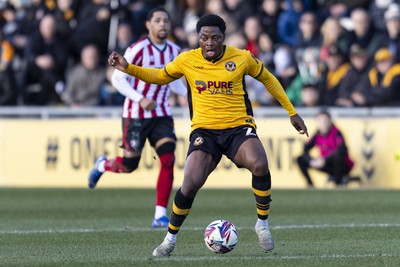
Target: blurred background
[339, 55]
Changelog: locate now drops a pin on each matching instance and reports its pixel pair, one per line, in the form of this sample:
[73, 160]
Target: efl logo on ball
[221, 236]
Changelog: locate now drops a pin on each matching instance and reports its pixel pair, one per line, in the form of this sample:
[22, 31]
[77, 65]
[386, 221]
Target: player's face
[159, 27]
[211, 41]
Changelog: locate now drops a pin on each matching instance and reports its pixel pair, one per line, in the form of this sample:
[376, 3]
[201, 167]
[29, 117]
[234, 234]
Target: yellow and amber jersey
[216, 89]
[217, 93]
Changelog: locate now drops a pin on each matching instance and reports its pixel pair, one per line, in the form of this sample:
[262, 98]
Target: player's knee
[191, 186]
[168, 147]
[130, 164]
[259, 168]
[166, 155]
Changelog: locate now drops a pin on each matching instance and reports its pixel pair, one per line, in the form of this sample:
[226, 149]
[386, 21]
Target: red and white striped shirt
[146, 54]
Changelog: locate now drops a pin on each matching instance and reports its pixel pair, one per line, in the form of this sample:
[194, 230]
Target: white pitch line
[148, 229]
[275, 257]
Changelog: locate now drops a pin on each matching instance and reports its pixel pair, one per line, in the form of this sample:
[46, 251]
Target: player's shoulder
[234, 50]
[139, 44]
[191, 54]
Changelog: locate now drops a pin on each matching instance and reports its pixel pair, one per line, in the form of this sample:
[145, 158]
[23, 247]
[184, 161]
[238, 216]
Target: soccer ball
[221, 236]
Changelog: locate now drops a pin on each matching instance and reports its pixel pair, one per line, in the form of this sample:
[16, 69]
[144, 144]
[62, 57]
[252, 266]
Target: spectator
[332, 34]
[363, 32]
[384, 80]
[310, 95]
[138, 10]
[252, 30]
[391, 38]
[288, 22]
[309, 34]
[124, 37]
[46, 57]
[15, 28]
[65, 19]
[354, 89]
[377, 9]
[309, 72]
[109, 95]
[285, 65]
[8, 20]
[268, 12]
[239, 10]
[8, 88]
[93, 28]
[266, 51]
[332, 76]
[185, 19]
[334, 157]
[236, 39]
[85, 79]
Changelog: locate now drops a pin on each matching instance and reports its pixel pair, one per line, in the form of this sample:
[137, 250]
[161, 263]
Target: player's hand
[147, 104]
[299, 124]
[117, 61]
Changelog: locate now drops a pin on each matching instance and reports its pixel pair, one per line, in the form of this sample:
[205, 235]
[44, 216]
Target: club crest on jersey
[198, 141]
[230, 66]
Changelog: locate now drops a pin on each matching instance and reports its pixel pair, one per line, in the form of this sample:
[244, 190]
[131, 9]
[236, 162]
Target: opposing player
[146, 112]
[222, 120]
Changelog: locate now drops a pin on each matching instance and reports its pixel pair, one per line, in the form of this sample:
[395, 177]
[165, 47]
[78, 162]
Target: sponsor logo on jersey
[230, 66]
[215, 87]
[198, 141]
[198, 67]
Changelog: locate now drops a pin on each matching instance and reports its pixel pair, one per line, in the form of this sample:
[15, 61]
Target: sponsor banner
[60, 153]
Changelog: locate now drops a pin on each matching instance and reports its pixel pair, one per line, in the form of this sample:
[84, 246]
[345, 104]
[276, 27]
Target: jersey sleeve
[173, 68]
[254, 66]
[275, 88]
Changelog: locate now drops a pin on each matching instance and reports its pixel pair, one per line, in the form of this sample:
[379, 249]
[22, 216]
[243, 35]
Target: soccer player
[146, 112]
[334, 157]
[222, 120]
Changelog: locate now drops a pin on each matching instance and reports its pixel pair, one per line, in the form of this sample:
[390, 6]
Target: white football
[221, 236]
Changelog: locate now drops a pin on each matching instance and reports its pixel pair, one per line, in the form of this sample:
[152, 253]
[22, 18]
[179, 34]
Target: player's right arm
[119, 80]
[149, 75]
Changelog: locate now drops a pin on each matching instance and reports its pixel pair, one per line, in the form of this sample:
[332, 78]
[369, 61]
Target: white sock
[262, 222]
[160, 212]
[171, 237]
[101, 166]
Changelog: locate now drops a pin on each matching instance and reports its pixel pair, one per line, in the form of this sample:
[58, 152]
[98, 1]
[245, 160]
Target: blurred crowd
[324, 52]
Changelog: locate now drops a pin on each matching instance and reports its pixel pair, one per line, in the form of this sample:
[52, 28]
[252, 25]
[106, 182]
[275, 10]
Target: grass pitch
[111, 227]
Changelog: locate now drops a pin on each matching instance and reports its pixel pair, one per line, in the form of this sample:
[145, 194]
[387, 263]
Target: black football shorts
[136, 131]
[220, 142]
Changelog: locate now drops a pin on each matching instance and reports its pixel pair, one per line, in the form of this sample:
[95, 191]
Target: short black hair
[211, 20]
[154, 10]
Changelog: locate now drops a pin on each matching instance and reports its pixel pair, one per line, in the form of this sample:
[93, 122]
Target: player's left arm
[257, 70]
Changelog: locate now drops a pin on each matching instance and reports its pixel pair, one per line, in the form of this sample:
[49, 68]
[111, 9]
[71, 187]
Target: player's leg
[202, 159]
[135, 132]
[303, 162]
[165, 149]
[199, 165]
[251, 155]
[162, 138]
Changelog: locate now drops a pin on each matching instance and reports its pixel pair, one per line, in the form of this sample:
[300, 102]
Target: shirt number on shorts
[249, 132]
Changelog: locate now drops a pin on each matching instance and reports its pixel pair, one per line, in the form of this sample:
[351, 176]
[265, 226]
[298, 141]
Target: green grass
[110, 227]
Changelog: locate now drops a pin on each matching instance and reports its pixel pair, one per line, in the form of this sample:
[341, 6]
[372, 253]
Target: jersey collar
[156, 47]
